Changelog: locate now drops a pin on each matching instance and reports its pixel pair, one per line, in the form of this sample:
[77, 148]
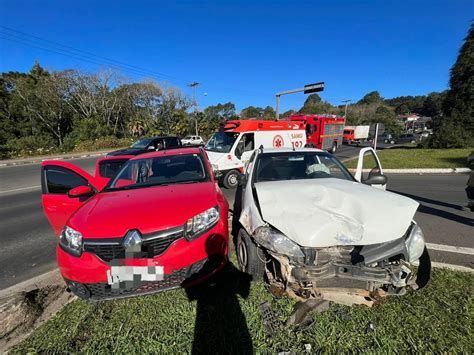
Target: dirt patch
[23, 312]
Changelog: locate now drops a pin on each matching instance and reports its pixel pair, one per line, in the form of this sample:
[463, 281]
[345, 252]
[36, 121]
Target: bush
[449, 136]
[103, 143]
[29, 145]
[85, 130]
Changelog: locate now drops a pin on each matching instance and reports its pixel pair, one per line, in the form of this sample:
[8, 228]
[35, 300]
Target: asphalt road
[27, 242]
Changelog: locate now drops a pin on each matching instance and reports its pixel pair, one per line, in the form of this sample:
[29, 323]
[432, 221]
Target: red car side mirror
[80, 191]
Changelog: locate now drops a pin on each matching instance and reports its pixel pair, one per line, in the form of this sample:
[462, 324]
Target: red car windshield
[162, 170]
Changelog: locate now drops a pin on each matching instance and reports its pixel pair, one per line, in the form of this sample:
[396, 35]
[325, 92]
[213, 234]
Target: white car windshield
[299, 165]
[162, 170]
[221, 142]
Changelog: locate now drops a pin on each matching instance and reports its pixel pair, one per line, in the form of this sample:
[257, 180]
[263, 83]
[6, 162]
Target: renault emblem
[133, 241]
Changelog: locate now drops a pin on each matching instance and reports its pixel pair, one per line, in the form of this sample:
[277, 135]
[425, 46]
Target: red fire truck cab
[322, 131]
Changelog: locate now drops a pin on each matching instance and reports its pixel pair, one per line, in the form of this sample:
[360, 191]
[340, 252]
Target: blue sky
[246, 51]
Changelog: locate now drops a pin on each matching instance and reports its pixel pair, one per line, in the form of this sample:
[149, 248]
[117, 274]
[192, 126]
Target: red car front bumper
[183, 263]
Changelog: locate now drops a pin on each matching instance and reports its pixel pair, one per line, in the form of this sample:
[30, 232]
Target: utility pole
[193, 85]
[345, 110]
[376, 136]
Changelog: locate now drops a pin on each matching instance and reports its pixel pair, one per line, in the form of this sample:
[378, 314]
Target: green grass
[438, 318]
[418, 158]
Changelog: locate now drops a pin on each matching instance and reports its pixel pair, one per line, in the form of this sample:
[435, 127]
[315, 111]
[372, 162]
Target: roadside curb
[23, 311]
[37, 160]
[422, 171]
[428, 171]
[49, 278]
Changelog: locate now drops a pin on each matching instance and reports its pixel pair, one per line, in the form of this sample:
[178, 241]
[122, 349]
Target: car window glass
[142, 143]
[221, 142]
[162, 170]
[108, 169]
[173, 143]
[370, 166]
[60, 180]
[249, 163]
[246, 144]
[299, 165]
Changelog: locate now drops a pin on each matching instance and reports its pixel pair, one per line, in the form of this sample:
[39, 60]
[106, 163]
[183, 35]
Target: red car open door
[57, 179]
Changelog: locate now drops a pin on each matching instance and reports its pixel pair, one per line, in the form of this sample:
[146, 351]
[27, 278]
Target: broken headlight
[71, 241]
[277, 242]
[415, 243]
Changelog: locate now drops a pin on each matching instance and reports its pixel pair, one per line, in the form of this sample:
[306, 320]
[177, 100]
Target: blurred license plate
[118, 274]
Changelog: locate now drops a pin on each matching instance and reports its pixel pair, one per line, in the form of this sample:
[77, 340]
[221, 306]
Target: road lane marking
[453, 267]
[450, 248]
[20, 189]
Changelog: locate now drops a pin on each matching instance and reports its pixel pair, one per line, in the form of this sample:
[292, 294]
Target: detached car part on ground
[133, 229]
[314, 231]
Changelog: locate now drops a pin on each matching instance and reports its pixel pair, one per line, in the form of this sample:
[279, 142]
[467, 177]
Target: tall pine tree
[457, 127]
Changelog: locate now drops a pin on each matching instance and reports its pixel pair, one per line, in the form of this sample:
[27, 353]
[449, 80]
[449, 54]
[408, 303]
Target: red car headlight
[201, 223]
[70, 241]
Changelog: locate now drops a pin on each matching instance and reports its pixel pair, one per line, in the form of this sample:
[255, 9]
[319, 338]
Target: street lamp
[307, 89]
[193, 85]
[345, 110]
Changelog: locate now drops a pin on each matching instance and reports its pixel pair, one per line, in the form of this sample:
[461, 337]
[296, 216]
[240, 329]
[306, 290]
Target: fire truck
[322, 131]
[232, 145]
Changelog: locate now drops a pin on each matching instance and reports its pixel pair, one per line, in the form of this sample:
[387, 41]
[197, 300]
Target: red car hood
[149, 209]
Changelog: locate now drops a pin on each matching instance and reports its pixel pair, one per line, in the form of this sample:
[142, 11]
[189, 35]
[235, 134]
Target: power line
[82, 53]
[13, 35]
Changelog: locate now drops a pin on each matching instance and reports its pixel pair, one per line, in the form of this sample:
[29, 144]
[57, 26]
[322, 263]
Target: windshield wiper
[128, 187]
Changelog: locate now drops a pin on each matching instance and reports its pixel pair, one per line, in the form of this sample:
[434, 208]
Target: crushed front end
[346, 274]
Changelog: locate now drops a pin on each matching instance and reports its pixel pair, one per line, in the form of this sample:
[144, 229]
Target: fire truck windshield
[221, 142]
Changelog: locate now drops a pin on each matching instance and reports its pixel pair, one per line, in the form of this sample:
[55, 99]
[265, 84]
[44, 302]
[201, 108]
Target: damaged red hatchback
[159, 223]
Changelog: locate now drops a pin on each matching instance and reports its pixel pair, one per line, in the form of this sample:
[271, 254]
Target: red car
[159, 223]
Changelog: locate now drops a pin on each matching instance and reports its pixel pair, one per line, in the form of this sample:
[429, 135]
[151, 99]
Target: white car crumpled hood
[329, 212]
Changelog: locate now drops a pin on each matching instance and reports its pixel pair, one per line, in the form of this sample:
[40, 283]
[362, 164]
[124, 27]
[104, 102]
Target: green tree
[432, 106]
[372, 97]
[386, 116]
[213, 116]
[251, 112]
[315, 105]
[45, 103]
[268, 113]
[287, 113]
[457, 125]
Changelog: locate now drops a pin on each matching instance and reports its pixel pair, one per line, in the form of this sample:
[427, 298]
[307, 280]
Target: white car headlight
[415, 243]
[277, 242]
[71, 241]
[201, 223]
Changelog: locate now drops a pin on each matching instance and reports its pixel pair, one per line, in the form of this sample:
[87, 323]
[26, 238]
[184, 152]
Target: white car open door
[369, 170]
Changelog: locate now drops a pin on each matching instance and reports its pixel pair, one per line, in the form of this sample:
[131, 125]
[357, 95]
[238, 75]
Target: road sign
[310, 88]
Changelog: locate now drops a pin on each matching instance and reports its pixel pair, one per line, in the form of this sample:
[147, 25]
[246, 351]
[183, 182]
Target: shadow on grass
[400, 147]
[456, 161]
[218, 313]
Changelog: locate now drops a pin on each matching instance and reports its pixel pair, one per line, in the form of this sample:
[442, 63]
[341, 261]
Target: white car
[314, 230]
[192, 140]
